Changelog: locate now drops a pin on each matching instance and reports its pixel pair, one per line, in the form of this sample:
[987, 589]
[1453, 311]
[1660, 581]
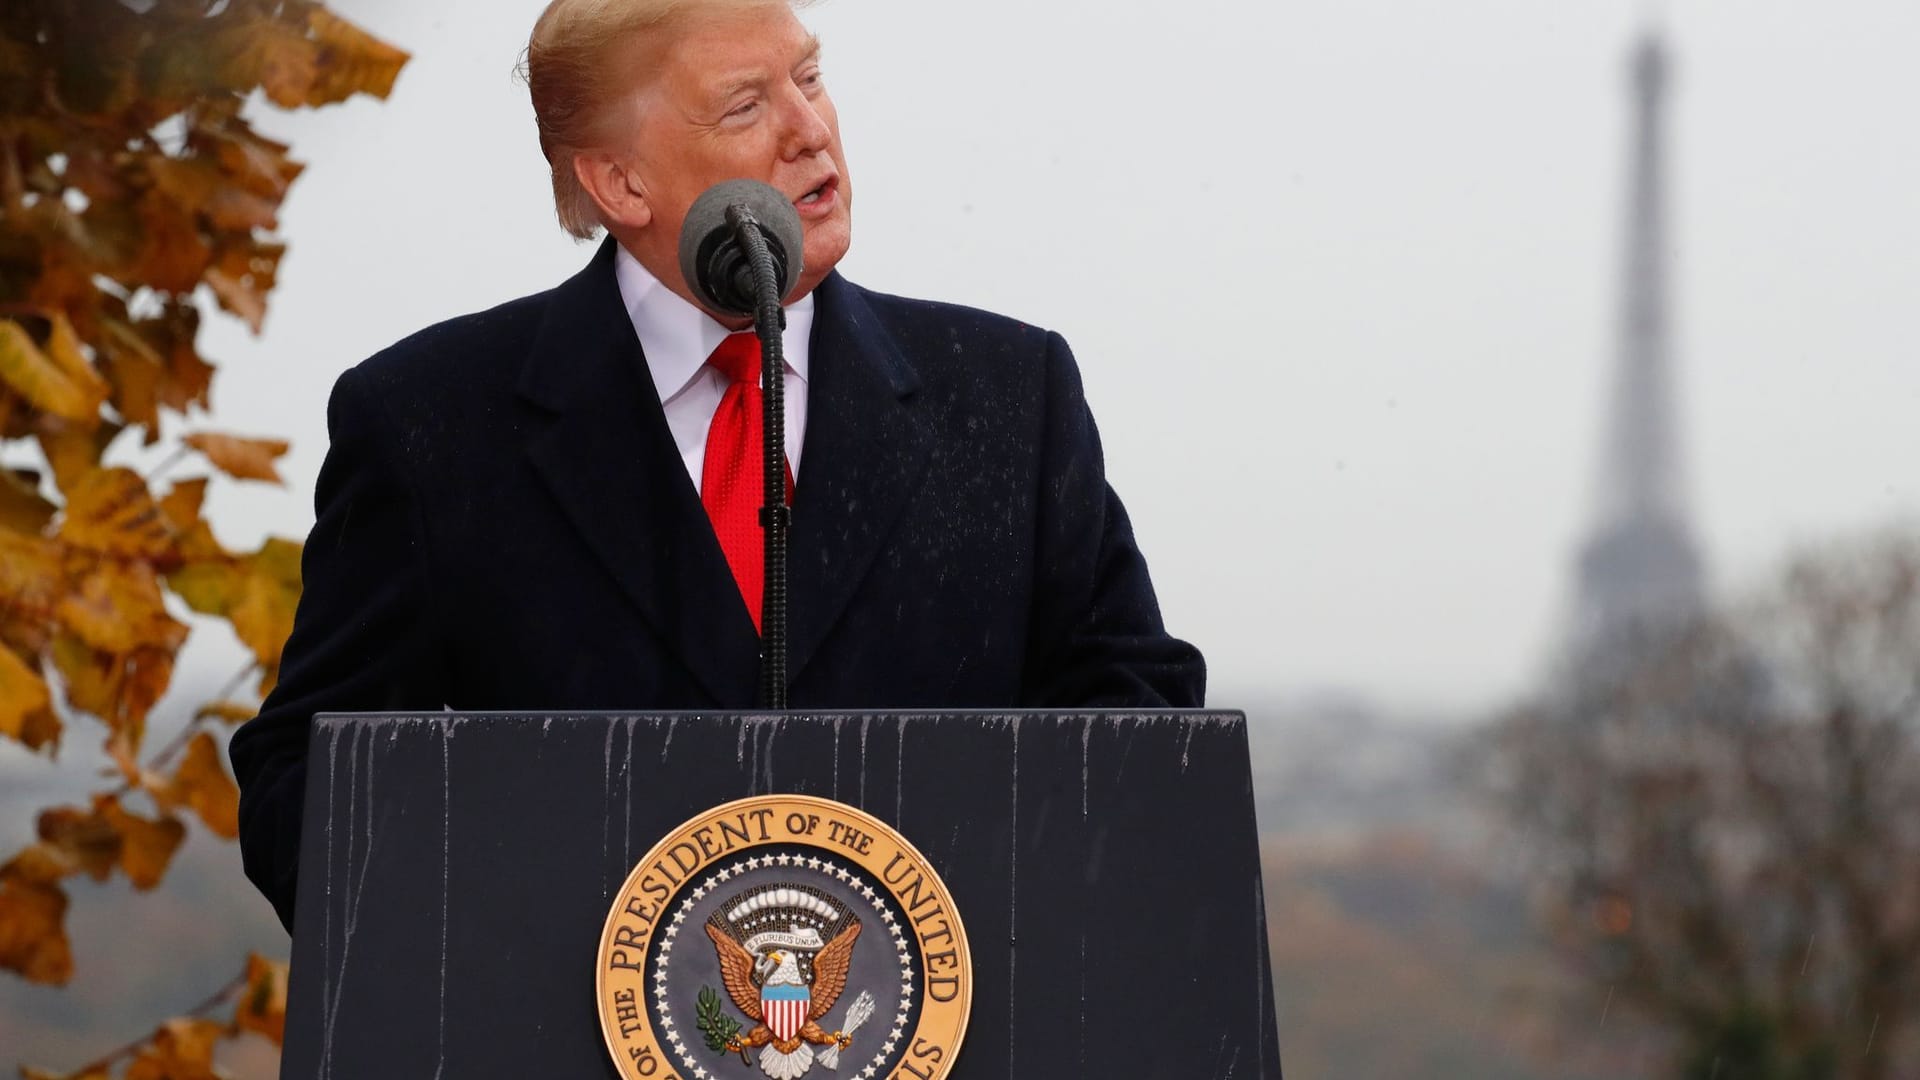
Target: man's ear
[614, 188]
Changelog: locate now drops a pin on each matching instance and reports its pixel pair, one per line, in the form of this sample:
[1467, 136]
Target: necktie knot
[738, 358]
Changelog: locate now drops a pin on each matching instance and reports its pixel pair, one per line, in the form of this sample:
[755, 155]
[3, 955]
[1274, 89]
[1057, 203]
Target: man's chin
[826, 245]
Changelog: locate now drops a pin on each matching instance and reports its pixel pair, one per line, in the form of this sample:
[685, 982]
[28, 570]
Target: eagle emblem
[784, 951]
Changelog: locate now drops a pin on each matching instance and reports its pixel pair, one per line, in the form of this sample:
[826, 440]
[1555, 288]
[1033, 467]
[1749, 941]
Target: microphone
[715, 262]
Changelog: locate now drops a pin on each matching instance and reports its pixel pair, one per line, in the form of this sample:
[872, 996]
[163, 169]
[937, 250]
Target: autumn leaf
[111, 511]
[73, 451]
[25, 706]
[146, 846]
[181, 1050]
[33, 937]
[211, 586]
[263, 1004]
[201, 784]
[350, 60]
[241, 458]
[43, 381]
[181, 504]
[31, 576]
[84, 839]
[119, 688]
[22, 508]
[227, 712]
[117, 608]
[263, 615]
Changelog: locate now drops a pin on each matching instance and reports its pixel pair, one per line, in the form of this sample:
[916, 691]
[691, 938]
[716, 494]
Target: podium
[456, 871]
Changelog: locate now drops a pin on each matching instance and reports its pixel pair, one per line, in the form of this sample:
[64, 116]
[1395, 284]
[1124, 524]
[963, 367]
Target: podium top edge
[1218, 716]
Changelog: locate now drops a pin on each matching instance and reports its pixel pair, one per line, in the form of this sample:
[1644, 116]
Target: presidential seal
[783, 936]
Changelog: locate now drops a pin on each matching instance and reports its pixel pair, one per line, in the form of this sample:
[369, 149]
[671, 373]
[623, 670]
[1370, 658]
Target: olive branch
[715, 1025]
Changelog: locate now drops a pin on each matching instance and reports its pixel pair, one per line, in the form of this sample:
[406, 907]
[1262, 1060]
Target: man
[522, 509]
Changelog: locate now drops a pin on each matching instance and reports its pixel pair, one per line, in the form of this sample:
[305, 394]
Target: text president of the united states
[536, 507]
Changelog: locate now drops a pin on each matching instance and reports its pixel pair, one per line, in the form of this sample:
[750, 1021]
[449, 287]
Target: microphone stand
[776, 518]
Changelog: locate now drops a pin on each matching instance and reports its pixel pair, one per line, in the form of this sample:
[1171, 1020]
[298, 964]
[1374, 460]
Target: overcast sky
[1340, 277]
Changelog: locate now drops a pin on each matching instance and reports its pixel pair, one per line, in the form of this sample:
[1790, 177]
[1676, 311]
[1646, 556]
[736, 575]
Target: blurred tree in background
[1725, 829]
[130, 179]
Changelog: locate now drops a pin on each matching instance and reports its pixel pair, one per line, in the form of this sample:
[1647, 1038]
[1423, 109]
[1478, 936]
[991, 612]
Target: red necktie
[730, 478]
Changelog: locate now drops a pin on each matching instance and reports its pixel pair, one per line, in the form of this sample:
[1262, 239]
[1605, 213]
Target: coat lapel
[865, 453]
[608, 458]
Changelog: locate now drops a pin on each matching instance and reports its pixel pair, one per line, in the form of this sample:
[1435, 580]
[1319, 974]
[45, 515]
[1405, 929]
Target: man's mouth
[820, 194]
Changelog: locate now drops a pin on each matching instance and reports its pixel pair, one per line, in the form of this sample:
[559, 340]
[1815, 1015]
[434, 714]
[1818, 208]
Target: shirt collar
[677, 337]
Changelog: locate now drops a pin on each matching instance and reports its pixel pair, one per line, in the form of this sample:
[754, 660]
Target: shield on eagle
[785, 1009]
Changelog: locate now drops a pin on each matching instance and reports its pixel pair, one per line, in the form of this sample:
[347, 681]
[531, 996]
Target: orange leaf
[31, 577]
[25, 706]
[263, 615]
[227, 712]
[181, 1050]
[39, 863]
[241, 458]
[263, 1007]
[181, 504]
[118, 609]
[238, 296]
[110, 510]
[33, 940]
[350, 60]
[202, 784]
[22, 509]
[120, 689]
[44, 378]
[145, 846]
[86, 840]
[72, 450]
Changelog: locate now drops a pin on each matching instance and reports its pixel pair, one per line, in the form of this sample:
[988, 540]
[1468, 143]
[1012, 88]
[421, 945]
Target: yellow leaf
[72, 450]
[42, 382]
[26, 712]
[210, 587]
[263, 616]
[263, 1006]
[238, 457]
[33, 940]
[136, 388]
[181, 504]
[202, 784]
[145, 846]
[31, 577]
[117, 608]
[111, 511]
[350, 60]
[227, 712]
[120, 689]
[21, 507]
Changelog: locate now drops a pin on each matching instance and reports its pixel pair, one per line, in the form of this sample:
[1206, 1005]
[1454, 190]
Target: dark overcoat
[504, 523]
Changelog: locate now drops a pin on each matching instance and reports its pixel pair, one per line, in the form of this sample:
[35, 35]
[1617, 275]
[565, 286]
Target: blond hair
[573, 68]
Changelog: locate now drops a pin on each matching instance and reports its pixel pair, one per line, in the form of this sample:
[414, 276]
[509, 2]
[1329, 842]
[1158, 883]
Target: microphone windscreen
[706, 224]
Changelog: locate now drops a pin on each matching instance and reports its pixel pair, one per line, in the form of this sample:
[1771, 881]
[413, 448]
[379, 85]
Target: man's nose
[806, 131]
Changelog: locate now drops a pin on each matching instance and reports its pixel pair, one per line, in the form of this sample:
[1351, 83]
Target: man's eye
[810, 79]
[743, 109]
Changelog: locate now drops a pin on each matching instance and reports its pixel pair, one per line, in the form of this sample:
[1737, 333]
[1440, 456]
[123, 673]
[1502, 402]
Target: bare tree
[1723, 822]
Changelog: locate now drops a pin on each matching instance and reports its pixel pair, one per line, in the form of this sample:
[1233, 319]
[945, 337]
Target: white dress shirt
[678, 337]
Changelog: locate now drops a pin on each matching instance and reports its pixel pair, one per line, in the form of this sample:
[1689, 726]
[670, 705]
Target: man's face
[739, 94]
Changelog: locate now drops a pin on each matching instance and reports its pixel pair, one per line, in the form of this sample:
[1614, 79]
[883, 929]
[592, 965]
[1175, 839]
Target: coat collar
[609, 460]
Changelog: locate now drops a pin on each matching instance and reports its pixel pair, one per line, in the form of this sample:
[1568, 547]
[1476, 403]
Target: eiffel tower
[1639, 571]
